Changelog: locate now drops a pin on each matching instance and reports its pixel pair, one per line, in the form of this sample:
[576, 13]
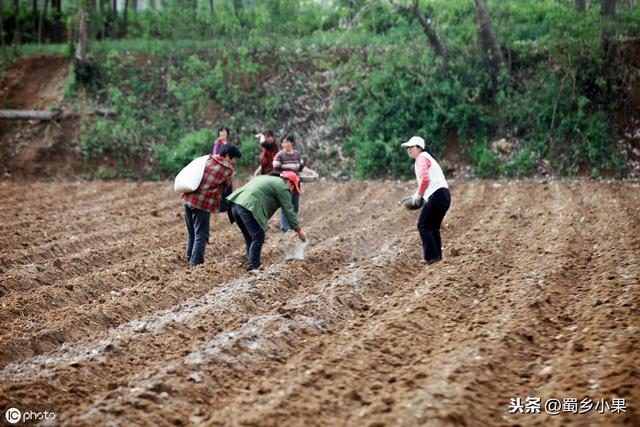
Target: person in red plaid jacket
[198, 205]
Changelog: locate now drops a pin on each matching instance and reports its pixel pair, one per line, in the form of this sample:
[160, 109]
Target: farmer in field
[253, 204]
[198, 205]
[269, 150]
[223, 139]
[288, 159]
[433, 191]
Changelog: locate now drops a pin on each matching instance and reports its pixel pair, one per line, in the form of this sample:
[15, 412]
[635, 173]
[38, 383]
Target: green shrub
[485, 162]
[191, 146]
[250, 151]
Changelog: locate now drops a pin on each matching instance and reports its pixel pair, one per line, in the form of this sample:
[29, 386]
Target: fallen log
[50, 115]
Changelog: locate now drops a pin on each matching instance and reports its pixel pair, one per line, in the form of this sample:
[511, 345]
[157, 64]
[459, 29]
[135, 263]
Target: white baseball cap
[414, 141]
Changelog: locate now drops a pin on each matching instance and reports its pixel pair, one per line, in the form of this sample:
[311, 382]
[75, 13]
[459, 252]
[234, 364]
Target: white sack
[189, 178]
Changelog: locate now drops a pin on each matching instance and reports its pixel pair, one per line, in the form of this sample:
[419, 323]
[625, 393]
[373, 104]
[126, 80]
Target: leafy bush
[486, 163]
[255, 65]
[192, 145]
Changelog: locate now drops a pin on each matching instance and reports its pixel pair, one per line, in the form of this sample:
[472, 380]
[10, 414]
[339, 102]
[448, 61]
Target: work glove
[300, 234]
[416, 198]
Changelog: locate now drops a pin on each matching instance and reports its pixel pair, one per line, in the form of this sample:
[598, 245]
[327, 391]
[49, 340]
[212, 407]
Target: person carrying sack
[198, 204]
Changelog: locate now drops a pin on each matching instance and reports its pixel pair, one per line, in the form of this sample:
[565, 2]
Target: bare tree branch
[49, 115]
[431, 33]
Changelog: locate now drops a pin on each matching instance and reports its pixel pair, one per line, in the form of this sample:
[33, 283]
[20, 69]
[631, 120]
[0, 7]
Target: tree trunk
[16, 35]
[432, 35]
[34, 17]
[211, 6]
[489, 43]
[92, 19]
[56, 32]
[114, 19]
[43, 17]
[608, 8]
[81, 37]
[125, 19]
[1, 24]
[103, 20]
[581, 5]
[607, 11]
[49, 114]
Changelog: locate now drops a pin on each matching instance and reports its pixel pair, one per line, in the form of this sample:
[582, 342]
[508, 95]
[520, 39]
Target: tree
[489, 43]
[431, 33]
[125, 18]
[81, 37]
[114, 18]
[1, 24]
[607, 11]
[43, 17]
[103, 20]
[581, 5]
[16, 35]
[91, 11]
[34, 19]
[56, 32]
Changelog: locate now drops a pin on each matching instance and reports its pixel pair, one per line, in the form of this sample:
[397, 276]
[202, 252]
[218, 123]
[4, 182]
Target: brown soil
[36, 148]
[34, 83]
[538, 296]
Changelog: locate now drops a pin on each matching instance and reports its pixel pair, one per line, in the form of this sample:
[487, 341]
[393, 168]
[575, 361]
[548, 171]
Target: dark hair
[428, 150]
[268, 132]
[289, 137]
[230, 150]
[224, 127]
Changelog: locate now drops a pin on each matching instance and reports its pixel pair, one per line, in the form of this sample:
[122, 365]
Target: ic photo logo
[13, 415]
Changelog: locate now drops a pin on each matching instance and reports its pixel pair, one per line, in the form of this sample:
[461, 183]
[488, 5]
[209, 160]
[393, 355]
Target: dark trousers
[252, 232]
[431, 217]
[197, 233]
[224, 205]
[295, 200]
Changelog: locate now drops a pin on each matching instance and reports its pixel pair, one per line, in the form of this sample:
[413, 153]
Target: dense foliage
[367, 72]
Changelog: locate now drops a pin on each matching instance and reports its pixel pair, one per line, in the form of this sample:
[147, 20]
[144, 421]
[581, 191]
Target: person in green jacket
[253, 204]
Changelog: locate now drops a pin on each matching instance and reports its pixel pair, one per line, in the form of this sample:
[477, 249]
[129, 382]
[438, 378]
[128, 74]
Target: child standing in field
[433, 190]
[290, 160]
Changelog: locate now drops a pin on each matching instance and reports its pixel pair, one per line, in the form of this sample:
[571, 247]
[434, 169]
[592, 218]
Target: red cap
[291, 176]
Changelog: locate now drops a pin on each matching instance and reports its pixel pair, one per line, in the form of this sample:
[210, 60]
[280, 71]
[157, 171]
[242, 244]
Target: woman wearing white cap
[433, 190]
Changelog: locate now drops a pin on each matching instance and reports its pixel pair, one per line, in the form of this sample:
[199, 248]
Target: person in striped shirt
[289, 160]
[434, 190]
[198, 205]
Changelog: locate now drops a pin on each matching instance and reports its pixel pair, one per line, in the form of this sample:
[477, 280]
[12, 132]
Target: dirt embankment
[538, 296]
[34, 148]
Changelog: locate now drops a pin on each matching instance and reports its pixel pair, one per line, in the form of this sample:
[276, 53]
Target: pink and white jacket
[429, 175]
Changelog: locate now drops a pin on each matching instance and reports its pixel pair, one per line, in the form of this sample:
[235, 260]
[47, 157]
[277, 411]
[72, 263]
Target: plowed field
[538, 296]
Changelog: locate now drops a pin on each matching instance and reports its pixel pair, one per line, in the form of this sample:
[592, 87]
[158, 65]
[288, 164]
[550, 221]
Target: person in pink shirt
[433, 191]
[223, 139]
